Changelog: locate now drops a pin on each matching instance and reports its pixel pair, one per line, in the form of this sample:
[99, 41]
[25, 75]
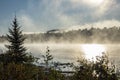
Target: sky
[43, 15]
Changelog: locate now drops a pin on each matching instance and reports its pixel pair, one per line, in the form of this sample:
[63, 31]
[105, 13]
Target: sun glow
[94, 2]
[93, 50]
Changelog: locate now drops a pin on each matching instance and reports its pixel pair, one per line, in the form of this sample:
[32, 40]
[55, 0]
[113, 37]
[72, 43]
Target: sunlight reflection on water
[70, 52]
[93, 50]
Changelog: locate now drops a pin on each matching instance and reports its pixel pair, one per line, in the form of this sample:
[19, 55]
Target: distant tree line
[105, 35]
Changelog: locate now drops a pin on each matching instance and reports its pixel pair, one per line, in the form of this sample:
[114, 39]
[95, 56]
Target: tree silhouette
[98, 70]
[16, 51]
[47, 57]
[103, 69]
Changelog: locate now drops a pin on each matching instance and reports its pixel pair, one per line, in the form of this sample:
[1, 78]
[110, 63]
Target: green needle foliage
[16, 51]
[47, 57]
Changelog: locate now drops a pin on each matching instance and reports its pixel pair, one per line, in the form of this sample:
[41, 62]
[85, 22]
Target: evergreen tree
[16, 51]
[47, 57]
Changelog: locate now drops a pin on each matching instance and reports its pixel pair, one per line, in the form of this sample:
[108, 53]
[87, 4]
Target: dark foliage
[98, 70]
[16, 51]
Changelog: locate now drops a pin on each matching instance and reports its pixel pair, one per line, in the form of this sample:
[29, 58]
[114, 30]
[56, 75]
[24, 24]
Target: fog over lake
[70, 52]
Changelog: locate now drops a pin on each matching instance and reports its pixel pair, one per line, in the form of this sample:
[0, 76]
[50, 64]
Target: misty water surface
[68, 52]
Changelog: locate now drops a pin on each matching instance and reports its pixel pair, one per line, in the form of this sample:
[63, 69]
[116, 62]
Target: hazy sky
[42, 15]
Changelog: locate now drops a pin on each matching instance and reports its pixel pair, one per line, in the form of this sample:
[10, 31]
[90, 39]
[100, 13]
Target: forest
[92, 35]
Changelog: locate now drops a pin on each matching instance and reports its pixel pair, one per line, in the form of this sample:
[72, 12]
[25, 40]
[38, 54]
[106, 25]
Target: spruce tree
[16, 51]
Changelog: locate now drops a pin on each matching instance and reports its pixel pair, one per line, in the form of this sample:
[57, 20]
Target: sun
[94, 2]
[92, 50]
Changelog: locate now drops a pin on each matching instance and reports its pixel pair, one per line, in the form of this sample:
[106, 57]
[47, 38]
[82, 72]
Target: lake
[66, 52]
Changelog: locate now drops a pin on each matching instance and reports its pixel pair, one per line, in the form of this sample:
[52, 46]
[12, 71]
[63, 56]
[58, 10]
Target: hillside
[93, 35]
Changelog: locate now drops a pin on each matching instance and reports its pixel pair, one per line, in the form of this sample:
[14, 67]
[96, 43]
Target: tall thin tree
[16, 50]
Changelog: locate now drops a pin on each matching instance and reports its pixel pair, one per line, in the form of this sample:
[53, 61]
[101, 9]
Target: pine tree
[47, 57]
[16, 51]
